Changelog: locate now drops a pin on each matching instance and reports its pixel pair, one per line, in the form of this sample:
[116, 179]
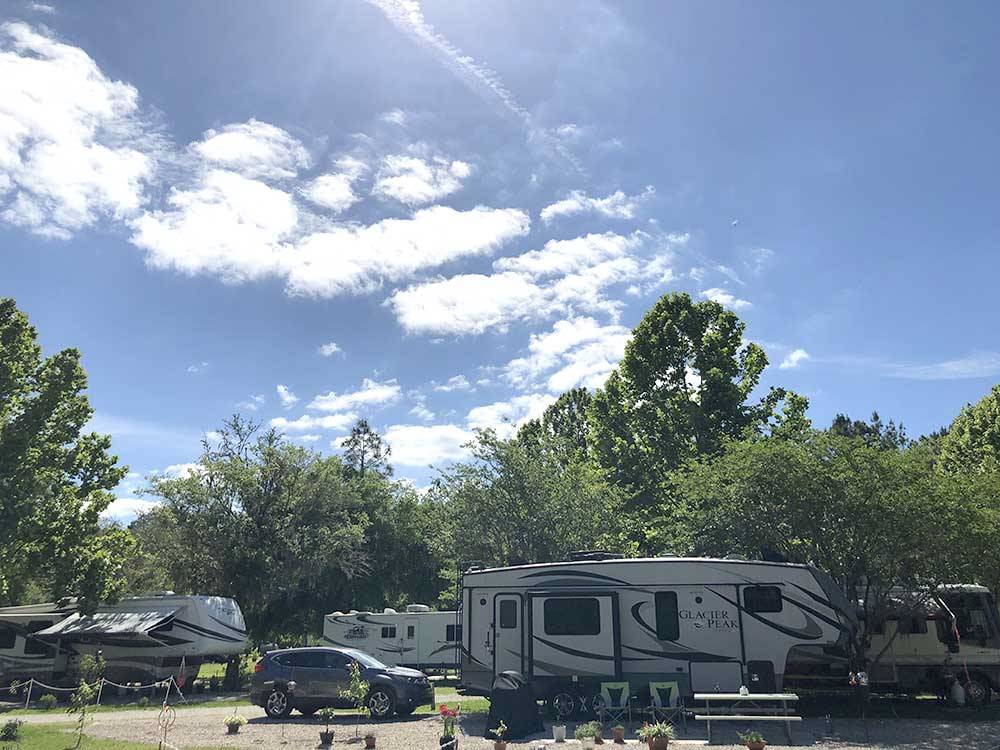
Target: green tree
[873, 519]
[366, 451]
[564, 427]
[277, 527]
[54, 479]
[875, 433]
[512, 504]
[972, 443]
[682, 388]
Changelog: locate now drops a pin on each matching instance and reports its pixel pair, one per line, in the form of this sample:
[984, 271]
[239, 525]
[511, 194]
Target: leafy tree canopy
[972, 443]
[54, 479]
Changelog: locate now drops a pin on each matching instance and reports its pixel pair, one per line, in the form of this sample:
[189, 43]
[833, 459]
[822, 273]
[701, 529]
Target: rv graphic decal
[811, 632]
[357, 633]
[713, 619]
[555, 577]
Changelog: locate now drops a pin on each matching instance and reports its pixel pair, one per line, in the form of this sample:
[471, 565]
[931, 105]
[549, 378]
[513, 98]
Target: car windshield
[366, 659]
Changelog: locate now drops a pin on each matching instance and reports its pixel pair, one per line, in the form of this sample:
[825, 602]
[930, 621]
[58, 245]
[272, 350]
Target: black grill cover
[513, 700]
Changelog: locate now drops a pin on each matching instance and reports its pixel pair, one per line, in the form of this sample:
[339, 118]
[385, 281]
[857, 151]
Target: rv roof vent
[338, 613]
[389, 611]
[597, 554]
[417, 608]
[352, 612]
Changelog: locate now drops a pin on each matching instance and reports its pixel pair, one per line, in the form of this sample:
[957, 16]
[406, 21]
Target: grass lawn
[208, 671]
[55, 737]
[227, 701]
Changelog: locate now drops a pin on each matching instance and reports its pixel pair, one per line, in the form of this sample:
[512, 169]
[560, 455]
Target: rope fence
[31, 684]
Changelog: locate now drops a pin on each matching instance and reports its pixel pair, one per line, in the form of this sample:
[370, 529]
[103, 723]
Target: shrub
[660, 729]
[47, 702]
[143, 702]
[751, 736]
[235, 720]
[584, 731]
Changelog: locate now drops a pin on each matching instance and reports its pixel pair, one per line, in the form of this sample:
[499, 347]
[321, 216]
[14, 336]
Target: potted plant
[357, 693]
[327, 715]
[587, 735]
[233, 722]
[499, 732]
[618, 734]
[598, 732]
[559, 732]
[369, 740]
[753, 740]
[658, 735]
[449, 716]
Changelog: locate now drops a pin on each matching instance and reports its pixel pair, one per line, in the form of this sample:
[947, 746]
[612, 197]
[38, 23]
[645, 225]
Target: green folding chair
[613, 703]
[667, 703]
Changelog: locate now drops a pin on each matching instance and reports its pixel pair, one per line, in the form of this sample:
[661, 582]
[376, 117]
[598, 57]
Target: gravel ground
[201, 727]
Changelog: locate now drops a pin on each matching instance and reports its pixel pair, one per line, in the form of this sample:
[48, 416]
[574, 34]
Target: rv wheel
[277, 706]
[381, 702]
[561, 704]
[977, 691]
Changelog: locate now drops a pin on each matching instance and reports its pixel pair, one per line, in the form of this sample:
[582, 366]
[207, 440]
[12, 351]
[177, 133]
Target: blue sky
[440, 215]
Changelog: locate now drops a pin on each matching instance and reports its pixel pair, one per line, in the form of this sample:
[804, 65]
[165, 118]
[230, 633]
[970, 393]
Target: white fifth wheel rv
[956, 632]
[141, 639]
[419, 637]
[709, 625]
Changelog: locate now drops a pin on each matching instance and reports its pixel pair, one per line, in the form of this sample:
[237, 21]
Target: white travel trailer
[142, 639]
[419, 637]
[956, 632]
[709, 625]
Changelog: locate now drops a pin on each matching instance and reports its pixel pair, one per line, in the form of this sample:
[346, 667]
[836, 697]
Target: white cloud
[254, 149]
[287, 398]
[125, 509]
[506, 416]
[180, 471]
[371, 394]
[42, 8]
[307, 422]
[73, 144]
[424, 445]
[455, 383]
[565, 277]
[329, 349]
[793, 359]
[415, 181]
[197, 367]
[576, 352]
[308, 438]
[725, 298]
[394, 116]
[757, 258]
[618, 205]
[228, 225]
[251, 404]
[420, 411]
[334, 190]
[976, 365]
[357, 259]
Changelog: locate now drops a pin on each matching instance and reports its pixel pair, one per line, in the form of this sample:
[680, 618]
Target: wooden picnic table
[748, 708]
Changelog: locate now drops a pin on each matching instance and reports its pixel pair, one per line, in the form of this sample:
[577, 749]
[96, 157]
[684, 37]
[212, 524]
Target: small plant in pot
[658, 735]
[499, 732]
[559, 732]
[449, 716]
[327, 716]
[233, 722]
[369, 740]
[618, 734]
[753, 740]
[598, 732]
[587, 735]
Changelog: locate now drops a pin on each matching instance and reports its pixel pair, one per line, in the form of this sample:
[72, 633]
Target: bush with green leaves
[327, 715]
[79, 702]
[659, 729]
[357, 692]
[585, 731]
[751, 736]
[235, 720]
[47, 702]
[143, 702]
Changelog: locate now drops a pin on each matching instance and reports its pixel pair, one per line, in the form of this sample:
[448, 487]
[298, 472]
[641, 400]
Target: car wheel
[381, 702]
[277, 705]
[977, 691]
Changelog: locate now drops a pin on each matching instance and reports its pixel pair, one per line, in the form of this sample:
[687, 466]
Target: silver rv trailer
[419, 637]
[141, 639]
[707, 624]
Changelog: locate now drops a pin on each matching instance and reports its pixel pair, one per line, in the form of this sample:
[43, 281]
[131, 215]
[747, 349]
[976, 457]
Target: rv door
[411, 653]
[508, 643]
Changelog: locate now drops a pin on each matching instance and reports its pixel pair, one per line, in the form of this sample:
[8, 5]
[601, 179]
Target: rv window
[7, 638]
[410, 631]
[389, 631]
[762, 598]
[915, 625]
[452, 633]
[32, 646]
[668, 626]
[572, 616]
[508, 613]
